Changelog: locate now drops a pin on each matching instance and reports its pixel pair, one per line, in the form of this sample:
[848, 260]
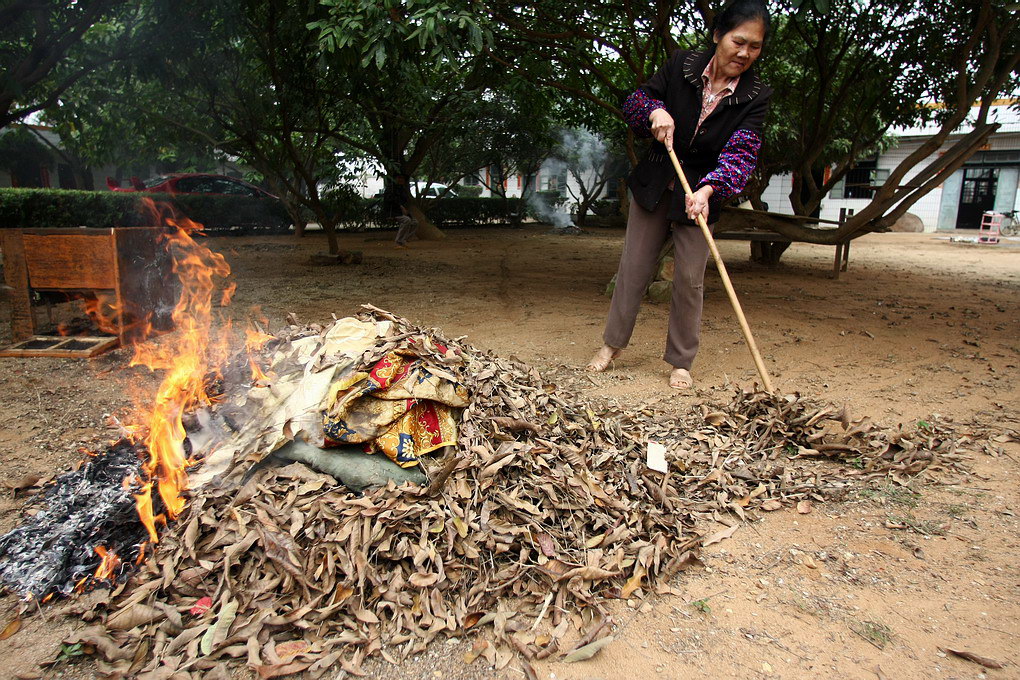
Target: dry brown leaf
[26, 482]
[588, 651]
[804, 507]
[366, 616]
[281, 669]
[472, 619]
[133, 615]
[11, 628]
[421, 580]
[771, 505]
[285, 650]
[476, 650]
[633, 583]
[976, 658]
[721, 535]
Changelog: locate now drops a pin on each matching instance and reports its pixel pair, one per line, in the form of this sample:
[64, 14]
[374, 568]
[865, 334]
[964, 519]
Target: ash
[54, 550]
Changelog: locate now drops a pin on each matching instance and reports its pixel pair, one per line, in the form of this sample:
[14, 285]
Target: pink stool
[991, 223]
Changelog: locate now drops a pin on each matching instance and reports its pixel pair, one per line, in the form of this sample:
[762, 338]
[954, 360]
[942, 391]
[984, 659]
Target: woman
[710, 107]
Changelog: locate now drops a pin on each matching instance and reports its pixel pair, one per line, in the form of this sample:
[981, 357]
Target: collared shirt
[710, 99]
[738, 157]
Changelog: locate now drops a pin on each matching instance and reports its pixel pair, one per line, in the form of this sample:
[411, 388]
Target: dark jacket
[678, 84]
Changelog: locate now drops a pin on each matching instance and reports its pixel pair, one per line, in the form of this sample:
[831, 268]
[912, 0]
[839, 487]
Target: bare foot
[602, 359]
[680, 379]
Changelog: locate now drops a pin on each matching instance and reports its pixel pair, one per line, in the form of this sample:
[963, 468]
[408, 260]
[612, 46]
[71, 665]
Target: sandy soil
[869, 588]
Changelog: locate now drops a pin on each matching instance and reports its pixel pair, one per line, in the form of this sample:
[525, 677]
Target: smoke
[583, 152]
[546, 210]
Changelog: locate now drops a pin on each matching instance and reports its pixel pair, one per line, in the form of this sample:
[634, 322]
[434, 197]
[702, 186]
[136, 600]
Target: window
[471, 180]
[229, 186]
[860, 181]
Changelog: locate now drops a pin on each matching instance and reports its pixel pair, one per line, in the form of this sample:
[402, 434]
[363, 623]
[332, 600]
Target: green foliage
[462, 212]
[377, 30]
[465, 191]
[20, 148]
[57, 208]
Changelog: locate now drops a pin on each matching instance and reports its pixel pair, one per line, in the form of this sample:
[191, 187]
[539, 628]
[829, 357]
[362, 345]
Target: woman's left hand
[697, 203]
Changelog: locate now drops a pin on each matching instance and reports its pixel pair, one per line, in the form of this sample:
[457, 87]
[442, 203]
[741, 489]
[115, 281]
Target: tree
[266, 103]
[596, 54]
[49, 45]
[592, 161]
[411, 72]
[847, 74]
[511, 132]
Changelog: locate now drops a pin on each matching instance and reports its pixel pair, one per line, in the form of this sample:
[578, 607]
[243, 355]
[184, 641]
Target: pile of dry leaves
[546, 508]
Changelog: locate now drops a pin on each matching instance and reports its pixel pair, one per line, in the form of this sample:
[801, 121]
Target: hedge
[460, 212]
[60, 208]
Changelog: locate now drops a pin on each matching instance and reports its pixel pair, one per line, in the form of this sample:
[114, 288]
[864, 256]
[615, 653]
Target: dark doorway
[977, 196]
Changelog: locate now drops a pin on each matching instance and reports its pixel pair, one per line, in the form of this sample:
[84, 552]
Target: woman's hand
[662, 126]
[697, 203]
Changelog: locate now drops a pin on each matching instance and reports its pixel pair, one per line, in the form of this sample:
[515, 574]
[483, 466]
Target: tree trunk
[768, 252]
[621, 191]
[427, 231]
[329, 226]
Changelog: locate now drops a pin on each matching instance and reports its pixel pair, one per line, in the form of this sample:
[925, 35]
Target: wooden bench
[840, 262]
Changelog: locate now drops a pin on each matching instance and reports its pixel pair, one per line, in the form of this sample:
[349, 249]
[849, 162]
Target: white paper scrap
[655, 457]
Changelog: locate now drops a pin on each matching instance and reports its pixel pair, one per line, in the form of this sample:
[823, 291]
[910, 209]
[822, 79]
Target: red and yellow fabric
[399, 407]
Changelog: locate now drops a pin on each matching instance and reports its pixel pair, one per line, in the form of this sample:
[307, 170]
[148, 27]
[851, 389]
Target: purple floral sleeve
[736, 163]
[636, 110]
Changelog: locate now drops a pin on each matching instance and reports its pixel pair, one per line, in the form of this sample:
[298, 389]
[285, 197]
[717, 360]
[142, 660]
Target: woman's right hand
[662, 126]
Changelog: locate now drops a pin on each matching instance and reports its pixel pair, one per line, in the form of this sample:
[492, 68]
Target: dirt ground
[875, 587]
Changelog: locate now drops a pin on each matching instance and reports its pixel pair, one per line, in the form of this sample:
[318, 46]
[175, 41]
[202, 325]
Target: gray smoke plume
[556, 215]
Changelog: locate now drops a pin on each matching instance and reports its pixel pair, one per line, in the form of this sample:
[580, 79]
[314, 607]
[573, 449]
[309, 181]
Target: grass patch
[892, 494]
[919, 526]
[874, 632]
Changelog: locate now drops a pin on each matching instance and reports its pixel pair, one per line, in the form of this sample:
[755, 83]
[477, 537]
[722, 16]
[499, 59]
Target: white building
[987, 182]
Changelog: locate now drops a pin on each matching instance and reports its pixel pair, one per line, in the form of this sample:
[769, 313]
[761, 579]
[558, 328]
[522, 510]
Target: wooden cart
[130, 267]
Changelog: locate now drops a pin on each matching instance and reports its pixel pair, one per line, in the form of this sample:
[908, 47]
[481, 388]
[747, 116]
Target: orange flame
[188, 358]
[108, 566]
[102, 309]
[254, 341]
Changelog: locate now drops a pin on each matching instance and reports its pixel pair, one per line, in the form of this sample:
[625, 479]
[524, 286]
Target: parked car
[192, 183]
[270, 215]
[432, 190]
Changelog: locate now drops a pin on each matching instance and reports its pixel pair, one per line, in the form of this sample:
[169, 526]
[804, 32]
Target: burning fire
[109, 565]
[189, 356]
[106, 571]
[254, 341]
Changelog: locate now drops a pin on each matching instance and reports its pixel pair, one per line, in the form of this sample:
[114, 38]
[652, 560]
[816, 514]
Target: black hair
[739, 12]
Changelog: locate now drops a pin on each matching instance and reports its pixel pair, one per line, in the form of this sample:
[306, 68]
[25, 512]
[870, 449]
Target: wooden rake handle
[745, 329]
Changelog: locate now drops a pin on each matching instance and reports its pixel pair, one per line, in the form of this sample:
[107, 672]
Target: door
[977, 196]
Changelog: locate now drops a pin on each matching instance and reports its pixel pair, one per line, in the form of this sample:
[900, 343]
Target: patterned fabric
[399, 407]
[736, 163]
[636, 110]
[710, 99]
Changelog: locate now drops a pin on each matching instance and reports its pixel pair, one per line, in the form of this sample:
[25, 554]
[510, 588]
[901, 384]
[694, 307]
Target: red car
[266, 213]
[192, 183]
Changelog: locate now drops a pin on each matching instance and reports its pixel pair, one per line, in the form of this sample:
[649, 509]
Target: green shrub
[468, 191]
[350, 209]
[606, 207]
[59, 208]
[462, 212]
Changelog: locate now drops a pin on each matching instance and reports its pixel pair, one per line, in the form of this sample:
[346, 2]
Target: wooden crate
[130, 266]
[77, 347]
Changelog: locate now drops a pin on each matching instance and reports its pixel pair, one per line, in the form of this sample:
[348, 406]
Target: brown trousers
[646, 234]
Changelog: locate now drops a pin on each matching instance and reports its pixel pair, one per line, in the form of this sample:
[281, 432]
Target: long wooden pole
[748, 338]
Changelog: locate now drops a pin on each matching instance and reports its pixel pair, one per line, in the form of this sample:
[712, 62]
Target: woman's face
[736, 50]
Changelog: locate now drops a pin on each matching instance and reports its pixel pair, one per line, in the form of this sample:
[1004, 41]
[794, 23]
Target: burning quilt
[355, 382]
[399, 407]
